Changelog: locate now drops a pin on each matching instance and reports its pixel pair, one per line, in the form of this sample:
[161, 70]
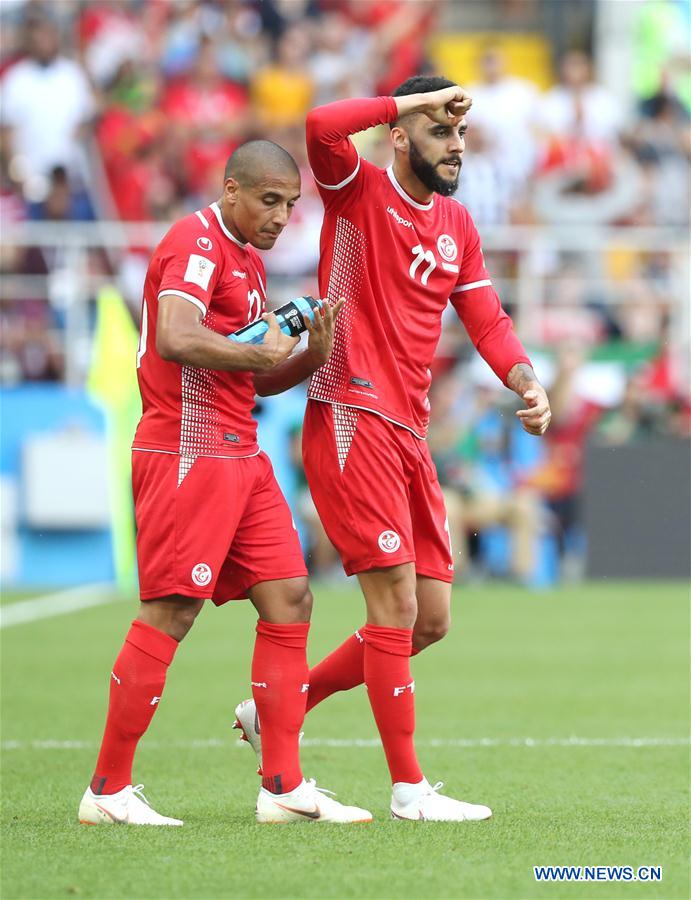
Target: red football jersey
[186, 410]
[397, 262]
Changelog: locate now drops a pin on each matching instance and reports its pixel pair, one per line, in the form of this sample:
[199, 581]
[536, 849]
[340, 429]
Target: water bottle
[290, 317]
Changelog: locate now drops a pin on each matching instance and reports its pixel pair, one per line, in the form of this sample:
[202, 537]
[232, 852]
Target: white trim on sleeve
[202, 218]
[341, 184]
[473, 284]
[197, 302]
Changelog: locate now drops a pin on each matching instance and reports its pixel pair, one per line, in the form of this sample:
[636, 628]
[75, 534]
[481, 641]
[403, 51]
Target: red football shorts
[376, 490]
[220, 530]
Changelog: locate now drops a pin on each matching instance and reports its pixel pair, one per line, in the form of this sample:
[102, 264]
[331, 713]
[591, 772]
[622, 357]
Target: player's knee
[405, 592]
[297, 601]
[427, 633]
[173, 616]
[305, 605]
[405, 609]
[402, 603]
[183, 620]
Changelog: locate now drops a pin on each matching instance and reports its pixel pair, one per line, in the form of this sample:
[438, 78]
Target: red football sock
[339, 671]
[280, 681]
[136, 686]
[392, 697]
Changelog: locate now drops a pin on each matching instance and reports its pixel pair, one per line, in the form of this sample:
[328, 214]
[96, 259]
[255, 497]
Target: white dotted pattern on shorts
[199, 420]
[347, 266]
[345, 423]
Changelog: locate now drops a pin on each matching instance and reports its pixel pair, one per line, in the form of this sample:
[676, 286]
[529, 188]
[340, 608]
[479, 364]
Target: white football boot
[421, 802]
[307, 803]
[128, 807]
[247, 720]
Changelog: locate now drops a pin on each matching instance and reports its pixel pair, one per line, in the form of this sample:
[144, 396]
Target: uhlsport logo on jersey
[399, 218]
[389, 541]
[201, 574]
[447, 247]
[204, 243]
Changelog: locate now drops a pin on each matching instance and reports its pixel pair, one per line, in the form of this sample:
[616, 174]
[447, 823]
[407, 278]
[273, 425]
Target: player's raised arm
[181, 338]
[332, 155]
[446, 106]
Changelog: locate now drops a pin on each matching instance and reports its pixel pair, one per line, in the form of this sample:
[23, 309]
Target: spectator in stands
[486, 185]
[58, 205]
[394, 33]
[585, 177]
[208, 116]
[559, 478]
[283, 91]
[242, 45]
[471, 448]
[46, 112]
[505, 108]
[661, 142]
[639, 415]
[336, 63]
[579, 109]
[111, 34]
[182, 27]
[278, 16]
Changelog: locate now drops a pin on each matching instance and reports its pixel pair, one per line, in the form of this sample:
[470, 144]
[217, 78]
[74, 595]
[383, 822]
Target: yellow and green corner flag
[112, 384]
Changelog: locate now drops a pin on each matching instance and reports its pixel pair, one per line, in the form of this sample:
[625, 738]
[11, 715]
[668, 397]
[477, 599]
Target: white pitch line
[367, 743]
[58, 604]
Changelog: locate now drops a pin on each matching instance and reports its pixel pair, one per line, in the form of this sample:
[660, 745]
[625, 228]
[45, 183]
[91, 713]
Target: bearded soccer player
[212, 521]
[397, 247]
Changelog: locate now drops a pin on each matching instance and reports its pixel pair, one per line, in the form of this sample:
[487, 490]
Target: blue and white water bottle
[290, 317]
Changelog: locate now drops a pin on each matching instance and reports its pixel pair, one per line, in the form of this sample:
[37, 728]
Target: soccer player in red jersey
[398, 247]
[212, 521]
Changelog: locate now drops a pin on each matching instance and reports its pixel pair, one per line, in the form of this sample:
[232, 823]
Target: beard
[428, 174]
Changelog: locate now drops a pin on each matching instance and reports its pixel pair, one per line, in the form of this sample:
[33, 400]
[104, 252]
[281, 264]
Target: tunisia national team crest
[389, 541]
[201, 574]
[447, 247]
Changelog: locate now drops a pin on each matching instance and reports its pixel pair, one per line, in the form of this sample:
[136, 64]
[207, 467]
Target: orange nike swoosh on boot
[116, 819]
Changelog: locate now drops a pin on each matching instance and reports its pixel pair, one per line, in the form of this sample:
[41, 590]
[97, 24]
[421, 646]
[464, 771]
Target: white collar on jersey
[217, 213]
[407, 197]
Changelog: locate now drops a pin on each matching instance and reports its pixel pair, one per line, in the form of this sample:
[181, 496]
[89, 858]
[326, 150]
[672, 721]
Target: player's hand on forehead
[448, 105]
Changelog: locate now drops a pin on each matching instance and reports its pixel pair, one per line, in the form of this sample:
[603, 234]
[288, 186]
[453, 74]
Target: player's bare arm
[181, 338]
[536, 417]
[446, 106]
[299, 367]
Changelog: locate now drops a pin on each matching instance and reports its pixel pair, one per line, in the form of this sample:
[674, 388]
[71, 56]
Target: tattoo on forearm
[521, 377]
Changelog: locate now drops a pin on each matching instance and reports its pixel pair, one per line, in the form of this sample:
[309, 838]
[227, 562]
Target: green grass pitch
[601, 662]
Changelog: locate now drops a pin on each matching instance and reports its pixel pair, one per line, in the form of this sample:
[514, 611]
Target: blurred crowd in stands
[129, 111]
[162, 92]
